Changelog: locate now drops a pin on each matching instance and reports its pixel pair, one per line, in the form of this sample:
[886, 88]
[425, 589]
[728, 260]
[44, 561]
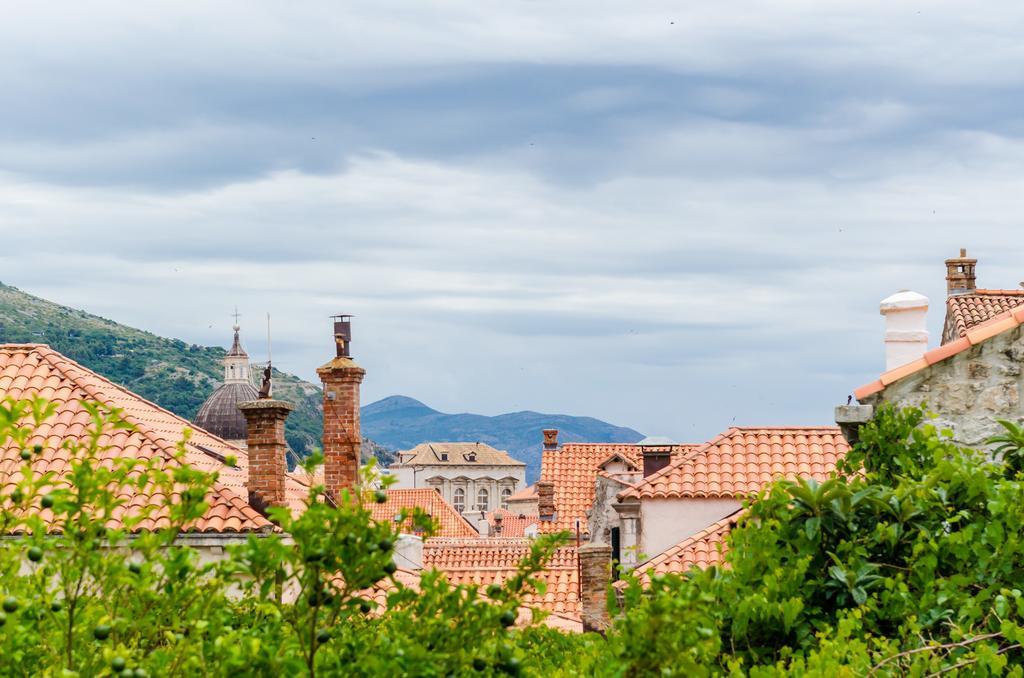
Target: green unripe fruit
[35, 554]
[10, 604]
[479, 664]
[25, 455]
[322, 636]
[3, 618]
[141, 673]
[127, 673]
[385, 545]
[493, 590]
[135, 568]
[390, 567]
[508, 618]
[118, 663]
[512, 666]
[380, 496]
[56, 606]
[101, 632]
[38, 449]
[364, 606]
[17, 496]
[315, 556]
[47, 501]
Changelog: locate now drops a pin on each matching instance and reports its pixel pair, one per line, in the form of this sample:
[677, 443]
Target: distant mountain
[180, 376]
[169, 372]
[401, 423]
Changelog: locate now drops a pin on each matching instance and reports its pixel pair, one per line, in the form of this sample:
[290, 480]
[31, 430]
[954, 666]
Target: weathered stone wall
[969, 390]
[602, 516]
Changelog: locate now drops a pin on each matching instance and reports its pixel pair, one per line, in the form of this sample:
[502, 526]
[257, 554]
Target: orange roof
[492, 561]
[704, 549]
[573, 469]
[512, 524]
[528, 492]
[29, 370]
[449, 522]
[1003, 322]
[965, 311]
[743, 460]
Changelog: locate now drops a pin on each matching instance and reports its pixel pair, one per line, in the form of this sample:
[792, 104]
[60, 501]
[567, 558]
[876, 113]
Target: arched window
[505, 494]
[483, 499]
[459, 499]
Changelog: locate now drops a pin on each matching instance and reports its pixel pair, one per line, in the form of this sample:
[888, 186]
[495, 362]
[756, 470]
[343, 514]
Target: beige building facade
[470, 476]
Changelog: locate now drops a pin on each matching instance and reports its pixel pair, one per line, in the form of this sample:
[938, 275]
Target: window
[505, 494]
[483, 499]
[459, 499]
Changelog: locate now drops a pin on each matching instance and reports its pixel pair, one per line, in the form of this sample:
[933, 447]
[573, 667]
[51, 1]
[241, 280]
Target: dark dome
[220, 414]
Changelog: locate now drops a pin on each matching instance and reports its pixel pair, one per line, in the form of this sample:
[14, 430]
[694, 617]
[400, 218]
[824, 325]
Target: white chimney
[906, 329]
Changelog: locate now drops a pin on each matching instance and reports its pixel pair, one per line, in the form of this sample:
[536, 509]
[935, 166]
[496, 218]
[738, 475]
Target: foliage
[317, 596]
[910, 560]
[907, 562]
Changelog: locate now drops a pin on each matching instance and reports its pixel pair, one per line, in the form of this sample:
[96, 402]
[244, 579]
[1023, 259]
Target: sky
[673, 216]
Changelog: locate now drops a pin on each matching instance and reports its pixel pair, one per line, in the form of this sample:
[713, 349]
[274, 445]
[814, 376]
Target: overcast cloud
[672, 216]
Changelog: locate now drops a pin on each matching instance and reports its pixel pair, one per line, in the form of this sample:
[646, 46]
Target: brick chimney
[546, 499]
[595, 575]
[960, 277]
[906, 328]
[551, 439]
[656, 457]
[341, 378]
[265, 439]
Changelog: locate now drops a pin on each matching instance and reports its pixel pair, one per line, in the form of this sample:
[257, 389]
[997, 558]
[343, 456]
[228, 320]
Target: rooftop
[742, 460]
[966, 311]
[456, 454]
[449, 522]
[704, 549]
[29, 370]
[573, 469]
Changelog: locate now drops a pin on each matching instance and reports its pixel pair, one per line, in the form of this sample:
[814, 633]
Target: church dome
[220, 414]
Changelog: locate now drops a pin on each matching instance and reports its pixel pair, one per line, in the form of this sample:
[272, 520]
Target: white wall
[666, 522]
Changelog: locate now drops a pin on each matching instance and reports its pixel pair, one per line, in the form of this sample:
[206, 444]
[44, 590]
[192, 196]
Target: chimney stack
[265, 439]
[906, 329]
[656, 457]
[551, 439]
[341, 378]
[546, 500]
[595, 576]
[960, 277]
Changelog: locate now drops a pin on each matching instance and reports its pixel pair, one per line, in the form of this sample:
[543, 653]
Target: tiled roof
[457, 454]
[1003, 322]
[492, 561]
[704, 549]
[965, 311]
[573, 469]
[449, 522]
[28, 370]
[512, 524]
[528, 492]
[743, 460]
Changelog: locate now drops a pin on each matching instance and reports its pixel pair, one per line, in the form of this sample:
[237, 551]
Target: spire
[236, 362]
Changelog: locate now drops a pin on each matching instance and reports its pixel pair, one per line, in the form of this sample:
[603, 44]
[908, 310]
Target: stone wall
[968, 391]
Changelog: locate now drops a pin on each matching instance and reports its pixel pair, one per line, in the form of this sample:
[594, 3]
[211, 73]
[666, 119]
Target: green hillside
[169, 372]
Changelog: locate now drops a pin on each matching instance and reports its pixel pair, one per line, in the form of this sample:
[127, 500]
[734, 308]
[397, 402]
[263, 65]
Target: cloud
[667, 216]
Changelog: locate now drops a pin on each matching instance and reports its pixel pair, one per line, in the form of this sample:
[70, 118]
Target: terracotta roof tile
[528, 492]
[998, 324]
[965, 311]
[27, 369]
[449, 522]
[741, 461]
[573, 469]
[704, 549]
[492, 561]
[513, 525]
